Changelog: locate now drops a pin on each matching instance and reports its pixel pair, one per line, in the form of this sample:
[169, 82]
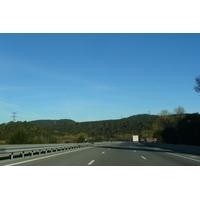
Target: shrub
[20, 137]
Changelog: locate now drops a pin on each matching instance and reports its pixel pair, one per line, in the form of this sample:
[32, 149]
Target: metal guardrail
[39, 149]
[30, 150]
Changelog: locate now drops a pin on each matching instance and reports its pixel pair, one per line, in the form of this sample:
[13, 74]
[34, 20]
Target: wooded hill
[67, 130]
[121, 129]
[167, 128]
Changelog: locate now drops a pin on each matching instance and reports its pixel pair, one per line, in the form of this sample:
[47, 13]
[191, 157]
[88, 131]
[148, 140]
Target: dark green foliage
[107, 129]
[43, 123]
[80, 139]
[157, 134]
[20, 137]
[170, 135]
[25, 133]
[97, 139]
[52, 131]
[174, 129]
[53, 139]
[38, 141]
[189, 130]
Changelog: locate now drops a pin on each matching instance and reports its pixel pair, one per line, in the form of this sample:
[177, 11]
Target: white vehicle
[135, 138]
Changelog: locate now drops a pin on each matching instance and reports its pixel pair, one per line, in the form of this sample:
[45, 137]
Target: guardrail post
[11, 156]
[46, 151]
[39, 152]
[31, 153]
[22, 154]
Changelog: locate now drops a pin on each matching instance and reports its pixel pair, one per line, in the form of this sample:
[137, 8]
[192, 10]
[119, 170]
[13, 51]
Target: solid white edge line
[184, 157]
[45, 157]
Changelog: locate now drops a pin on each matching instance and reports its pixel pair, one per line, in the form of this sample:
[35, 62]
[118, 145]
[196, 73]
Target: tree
[197, 86]
[80, 139]
[164, 112]
[53, 139]
[179, 111]
[170, 135]
[20, 137]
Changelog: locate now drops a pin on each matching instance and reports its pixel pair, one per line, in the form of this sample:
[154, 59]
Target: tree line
[63, 131]
[179, 128]
[175, 128]
[24, 133]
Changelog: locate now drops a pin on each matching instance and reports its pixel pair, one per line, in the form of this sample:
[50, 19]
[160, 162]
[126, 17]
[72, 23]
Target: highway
[111, 154]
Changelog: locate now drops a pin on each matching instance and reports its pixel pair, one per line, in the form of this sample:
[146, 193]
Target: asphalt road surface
[111, 154]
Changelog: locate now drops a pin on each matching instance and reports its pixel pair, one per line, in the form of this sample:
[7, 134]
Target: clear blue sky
[89, 77]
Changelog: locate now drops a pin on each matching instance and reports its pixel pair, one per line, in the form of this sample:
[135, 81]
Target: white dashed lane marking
[91, 162]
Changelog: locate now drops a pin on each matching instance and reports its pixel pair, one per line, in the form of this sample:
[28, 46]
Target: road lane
[127, 154]
[163, 157]
[112, 154]
[118, 155]
[52, 159]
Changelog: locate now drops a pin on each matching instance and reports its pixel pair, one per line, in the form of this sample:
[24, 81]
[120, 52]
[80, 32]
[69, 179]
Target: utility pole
[14, 116]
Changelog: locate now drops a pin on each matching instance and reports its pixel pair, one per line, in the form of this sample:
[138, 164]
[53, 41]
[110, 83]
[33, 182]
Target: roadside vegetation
[175, 128]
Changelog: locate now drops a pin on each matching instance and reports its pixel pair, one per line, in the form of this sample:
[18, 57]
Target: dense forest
[121, 129]
[66, 130]
[25, 133]
[178, 128]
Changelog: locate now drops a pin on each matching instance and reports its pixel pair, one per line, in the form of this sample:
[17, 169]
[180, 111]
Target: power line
[14, 116]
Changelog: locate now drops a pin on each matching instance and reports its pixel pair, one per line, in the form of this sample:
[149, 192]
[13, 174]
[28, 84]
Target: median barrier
[177, 147]
[22, 150]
